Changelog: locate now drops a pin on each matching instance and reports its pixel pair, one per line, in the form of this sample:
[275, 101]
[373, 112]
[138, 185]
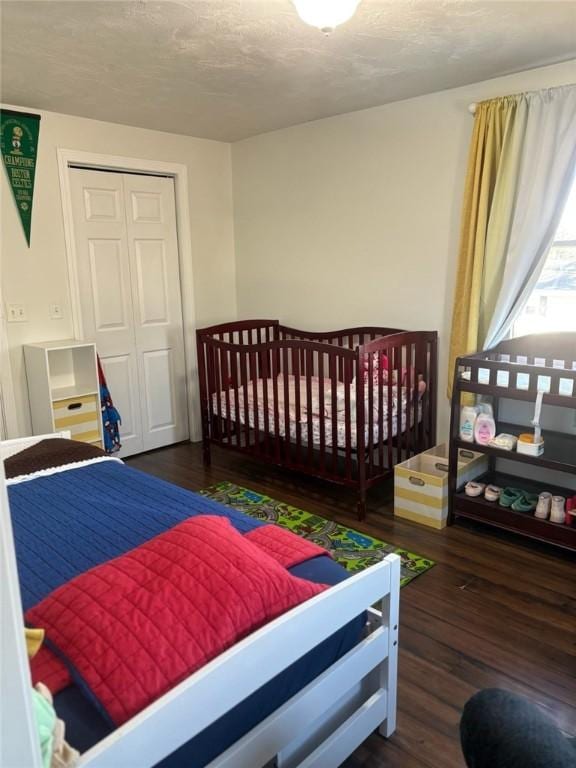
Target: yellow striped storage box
[471, 464]
[81, 415]
[421, 484]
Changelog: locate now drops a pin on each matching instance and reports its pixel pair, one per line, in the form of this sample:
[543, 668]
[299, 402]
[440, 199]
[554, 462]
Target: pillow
[53, 452]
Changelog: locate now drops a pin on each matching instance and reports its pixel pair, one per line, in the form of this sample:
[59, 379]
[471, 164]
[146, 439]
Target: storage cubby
[63, 389]
[516, 370]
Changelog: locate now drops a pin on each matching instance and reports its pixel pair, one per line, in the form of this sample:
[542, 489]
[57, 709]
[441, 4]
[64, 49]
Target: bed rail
[344, 406]
[206, 695]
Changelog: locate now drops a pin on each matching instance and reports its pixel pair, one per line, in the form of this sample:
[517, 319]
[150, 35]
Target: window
[552, 305]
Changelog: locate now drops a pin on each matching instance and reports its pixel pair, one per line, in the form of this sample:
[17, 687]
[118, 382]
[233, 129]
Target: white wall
[354, 219]
[37, 276]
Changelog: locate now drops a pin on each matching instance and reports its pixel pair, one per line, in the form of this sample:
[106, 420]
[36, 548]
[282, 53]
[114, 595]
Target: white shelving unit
[63, 389]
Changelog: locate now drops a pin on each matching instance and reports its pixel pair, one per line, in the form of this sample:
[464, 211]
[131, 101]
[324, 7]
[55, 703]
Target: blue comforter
[69, 522]
[73, 520]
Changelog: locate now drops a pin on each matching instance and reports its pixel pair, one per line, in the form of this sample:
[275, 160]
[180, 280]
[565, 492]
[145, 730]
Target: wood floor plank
[496, 611]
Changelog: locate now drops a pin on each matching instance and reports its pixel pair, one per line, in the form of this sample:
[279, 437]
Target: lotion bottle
[468, 416]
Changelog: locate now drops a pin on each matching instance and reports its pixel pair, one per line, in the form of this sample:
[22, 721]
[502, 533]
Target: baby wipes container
[484, 428]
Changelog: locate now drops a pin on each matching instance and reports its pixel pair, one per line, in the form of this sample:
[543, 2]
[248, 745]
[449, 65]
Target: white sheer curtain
[546, 171]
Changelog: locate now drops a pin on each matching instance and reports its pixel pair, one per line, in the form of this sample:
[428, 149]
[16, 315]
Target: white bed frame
[319, 726]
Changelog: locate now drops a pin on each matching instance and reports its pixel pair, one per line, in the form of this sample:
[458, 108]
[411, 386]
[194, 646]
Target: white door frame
[179, 173]
[8, 418]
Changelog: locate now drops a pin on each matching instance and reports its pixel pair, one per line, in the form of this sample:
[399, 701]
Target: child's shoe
[557, 512]
[492, 493]
[472, 488]
[543, 507]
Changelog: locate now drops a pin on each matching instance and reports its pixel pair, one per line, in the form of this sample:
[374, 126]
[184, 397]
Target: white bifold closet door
[129, 280]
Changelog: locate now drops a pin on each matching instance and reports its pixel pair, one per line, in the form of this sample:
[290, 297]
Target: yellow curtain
[489, 193]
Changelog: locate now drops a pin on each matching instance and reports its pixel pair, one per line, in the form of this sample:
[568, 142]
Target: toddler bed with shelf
[345, 406]
[540, 368]
[303, 689]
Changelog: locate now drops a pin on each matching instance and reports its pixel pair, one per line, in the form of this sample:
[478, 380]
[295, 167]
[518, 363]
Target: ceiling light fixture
[326, 14]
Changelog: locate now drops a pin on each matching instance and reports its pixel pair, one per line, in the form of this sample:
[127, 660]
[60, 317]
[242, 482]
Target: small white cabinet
[63, 389]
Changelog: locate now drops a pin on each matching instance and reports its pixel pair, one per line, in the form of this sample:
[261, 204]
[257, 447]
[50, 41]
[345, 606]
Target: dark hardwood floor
[495, 611]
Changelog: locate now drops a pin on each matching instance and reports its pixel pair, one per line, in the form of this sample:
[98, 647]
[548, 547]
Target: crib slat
[226, 386]
[275, 374]
[269, 353]
[205, 405]
[415, 402]
[360, 430]
[264, 376]
[348, 418]
[218, 390]
[420, 364]
[321, 409]
[211, 388]
[380, 395]
[432, 390]
[390, 396]
[410, 416]
[256, 404]
[286, 406]
[398, 369]
[430, 395]
[333, 384]
[309, 406]
[244, 376]
[370, 440]
[237, 423]
[296, 374]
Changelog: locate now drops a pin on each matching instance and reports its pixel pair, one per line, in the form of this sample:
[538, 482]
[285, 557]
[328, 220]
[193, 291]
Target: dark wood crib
[344, 406]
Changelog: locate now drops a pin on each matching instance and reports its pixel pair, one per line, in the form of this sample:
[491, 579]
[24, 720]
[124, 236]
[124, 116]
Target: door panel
[146, 206]
[101, 204]
[128, 273]
[153, 253]
[159, 379]
[152, 281]
[108, 289]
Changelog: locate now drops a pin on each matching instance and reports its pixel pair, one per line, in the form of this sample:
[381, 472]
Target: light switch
[16, 313]
[56, 312]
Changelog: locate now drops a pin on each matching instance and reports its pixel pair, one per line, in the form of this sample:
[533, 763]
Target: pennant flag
[18, 144]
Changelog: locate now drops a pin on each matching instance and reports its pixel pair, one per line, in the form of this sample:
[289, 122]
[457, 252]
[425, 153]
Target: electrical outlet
[16, 313]
[56, 312]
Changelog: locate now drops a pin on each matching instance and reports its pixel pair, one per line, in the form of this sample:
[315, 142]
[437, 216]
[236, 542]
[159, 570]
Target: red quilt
[134, 627]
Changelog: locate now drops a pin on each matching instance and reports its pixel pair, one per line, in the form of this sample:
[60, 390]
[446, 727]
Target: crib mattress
[306, 419]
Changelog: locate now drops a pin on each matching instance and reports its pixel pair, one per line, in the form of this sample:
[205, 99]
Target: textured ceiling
[227, 69]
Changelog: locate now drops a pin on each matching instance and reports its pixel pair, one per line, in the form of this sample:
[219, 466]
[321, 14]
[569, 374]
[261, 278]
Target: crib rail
[244, 331]
[346, 337]
[319, 403]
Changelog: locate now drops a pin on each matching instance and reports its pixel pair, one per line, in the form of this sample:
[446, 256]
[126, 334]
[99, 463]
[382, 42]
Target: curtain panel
[521, 165]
